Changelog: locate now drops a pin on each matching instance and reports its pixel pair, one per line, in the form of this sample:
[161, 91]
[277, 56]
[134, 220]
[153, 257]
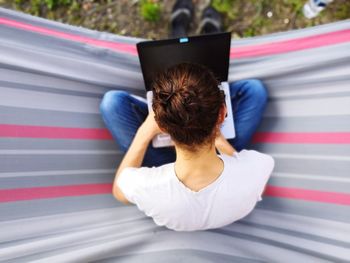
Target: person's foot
[211, 21]
[181, 18]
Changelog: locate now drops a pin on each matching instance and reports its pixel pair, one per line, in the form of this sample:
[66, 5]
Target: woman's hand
[223, 145]
[150, 127]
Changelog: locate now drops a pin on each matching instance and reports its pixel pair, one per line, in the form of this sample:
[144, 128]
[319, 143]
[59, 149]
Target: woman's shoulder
[145, 177]
[249, 156]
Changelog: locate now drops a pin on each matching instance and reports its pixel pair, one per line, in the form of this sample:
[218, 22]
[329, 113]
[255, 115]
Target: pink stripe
[22, 131]
[285, 46]
[26, 131]
[12, 195]
[102, 43]
[236, 52]
[302, 137]
[21, 194]
[308, 195]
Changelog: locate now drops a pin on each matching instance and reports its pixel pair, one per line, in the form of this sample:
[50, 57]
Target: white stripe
[292, 241]
[18, 152]
[312, 177]
[311, 156]
[20, 55]
[278, 93]
[49, 82]
[55, 172]
[309, 107]
[48, 101]
[300, 223]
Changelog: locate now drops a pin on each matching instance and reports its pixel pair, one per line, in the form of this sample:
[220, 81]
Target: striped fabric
[57, 160]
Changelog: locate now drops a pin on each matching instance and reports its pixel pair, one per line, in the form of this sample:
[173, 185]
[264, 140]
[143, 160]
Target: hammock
[57, 160]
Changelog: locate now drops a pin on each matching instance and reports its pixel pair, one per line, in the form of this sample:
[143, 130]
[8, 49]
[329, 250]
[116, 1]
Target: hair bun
[186, 103]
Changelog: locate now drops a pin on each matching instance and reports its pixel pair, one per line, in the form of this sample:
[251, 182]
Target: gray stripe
[312, 149]
[306, 124]
[56, 162]
[307, 247]
[58, 172]
[56, 180]
[288, 64]
[313, 177]
[52, 144]
[55, 246]
[56, 249]
[309, 225]
[38, 117]
[54, 206]
[294, 83]
[312, 96]
[327, 211]
[78, 69]
[177, 255]
[45, 101]
[317, 185]
[314, 237]
[29, 77]
[48, 90]
[77, 50]
[66, 222]
[308, 159]
[311, 107]
[317, 255]
[68, 81]
[96, 215]
[58, 152]
[304, 166]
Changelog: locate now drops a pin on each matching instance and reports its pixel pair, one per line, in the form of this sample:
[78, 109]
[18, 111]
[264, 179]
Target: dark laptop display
[211, 51]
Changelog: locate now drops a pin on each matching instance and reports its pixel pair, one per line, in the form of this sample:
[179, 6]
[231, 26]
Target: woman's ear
[161, 128]
[222, 114]
[163, 131]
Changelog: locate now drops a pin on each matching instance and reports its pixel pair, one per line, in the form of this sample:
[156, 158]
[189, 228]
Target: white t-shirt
[161, 195]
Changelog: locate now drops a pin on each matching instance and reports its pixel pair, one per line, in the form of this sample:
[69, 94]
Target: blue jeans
[123, 114]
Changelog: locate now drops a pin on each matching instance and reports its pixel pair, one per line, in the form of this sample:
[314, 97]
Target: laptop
[211, 50]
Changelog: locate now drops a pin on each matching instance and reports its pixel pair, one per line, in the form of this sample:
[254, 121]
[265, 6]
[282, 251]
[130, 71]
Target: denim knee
[112, 99]
[257, 90]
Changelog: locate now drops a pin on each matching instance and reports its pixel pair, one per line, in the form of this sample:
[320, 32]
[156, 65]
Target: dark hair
[186, 104]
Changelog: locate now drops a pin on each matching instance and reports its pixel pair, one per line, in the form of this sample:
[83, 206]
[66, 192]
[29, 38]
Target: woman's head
[187, 103]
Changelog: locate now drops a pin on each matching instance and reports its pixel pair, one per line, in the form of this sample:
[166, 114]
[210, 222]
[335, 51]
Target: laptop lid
[212, 51]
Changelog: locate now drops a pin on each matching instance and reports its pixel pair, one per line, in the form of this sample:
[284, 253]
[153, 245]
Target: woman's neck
[195, 164]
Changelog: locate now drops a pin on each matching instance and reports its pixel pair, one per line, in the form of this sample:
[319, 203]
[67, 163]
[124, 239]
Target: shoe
[211, 21]
[181, 18]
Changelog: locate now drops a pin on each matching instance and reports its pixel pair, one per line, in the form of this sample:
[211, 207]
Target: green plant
[226, 7]
[150, 10]
[51, 4]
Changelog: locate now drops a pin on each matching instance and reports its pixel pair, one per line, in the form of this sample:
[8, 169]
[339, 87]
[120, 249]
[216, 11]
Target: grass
[150, 10]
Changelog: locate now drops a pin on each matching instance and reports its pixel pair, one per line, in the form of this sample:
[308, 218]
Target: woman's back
[161, 195]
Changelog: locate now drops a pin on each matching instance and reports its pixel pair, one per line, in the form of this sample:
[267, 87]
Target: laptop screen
[211, 51]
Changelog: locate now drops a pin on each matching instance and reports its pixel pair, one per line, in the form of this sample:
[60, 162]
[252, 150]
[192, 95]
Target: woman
[193, 187]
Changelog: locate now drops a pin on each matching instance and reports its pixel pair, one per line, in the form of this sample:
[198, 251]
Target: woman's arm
[136, 152]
